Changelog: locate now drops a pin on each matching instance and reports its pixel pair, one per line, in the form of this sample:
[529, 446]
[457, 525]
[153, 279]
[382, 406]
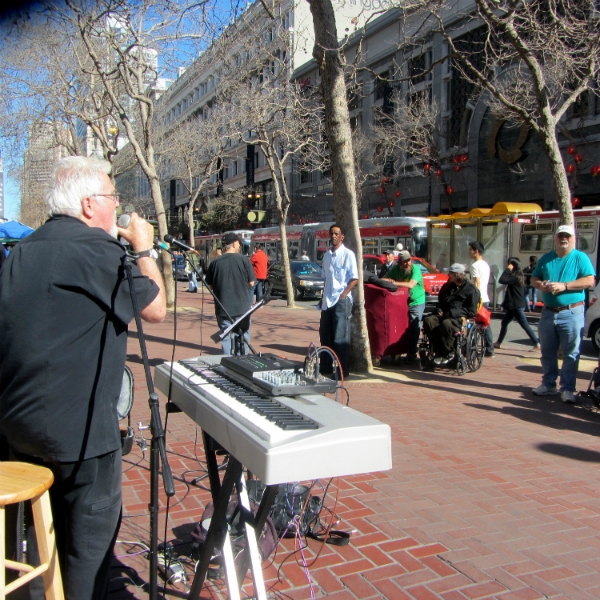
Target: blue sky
[12, 198]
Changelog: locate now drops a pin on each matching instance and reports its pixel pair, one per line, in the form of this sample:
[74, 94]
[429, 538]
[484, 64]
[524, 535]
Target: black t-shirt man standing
[64, 309]
[231, 277]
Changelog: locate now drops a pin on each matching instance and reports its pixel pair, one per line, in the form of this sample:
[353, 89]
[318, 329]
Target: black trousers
[86, 509]
[441, 333]
[334, 332]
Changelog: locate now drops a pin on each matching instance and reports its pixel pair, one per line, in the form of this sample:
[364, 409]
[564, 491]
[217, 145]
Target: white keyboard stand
[218, 538]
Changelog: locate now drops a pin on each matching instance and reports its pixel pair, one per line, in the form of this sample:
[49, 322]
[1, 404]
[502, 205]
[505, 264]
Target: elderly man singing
[65, 304]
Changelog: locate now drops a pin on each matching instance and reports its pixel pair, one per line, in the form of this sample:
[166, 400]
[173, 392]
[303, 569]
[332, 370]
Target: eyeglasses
[115, 196]
[562, 236]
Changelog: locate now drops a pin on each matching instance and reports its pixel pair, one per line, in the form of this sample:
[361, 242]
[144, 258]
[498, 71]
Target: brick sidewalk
[493, 493]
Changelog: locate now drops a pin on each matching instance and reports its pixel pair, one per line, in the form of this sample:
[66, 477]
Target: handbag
[483, 316]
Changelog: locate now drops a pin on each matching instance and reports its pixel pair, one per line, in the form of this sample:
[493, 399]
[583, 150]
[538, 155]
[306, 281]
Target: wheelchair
[469, 349]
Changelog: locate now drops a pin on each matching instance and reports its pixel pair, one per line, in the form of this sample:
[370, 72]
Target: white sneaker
[567, 397]
[542, 390]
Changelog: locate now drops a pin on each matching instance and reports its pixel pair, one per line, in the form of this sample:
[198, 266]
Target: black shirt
[457, 302]
[514, 295]
[229, 275]
[64, 309]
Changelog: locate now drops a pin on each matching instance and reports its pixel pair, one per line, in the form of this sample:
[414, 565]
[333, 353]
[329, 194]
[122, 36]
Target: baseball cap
[230, 237]
[387, 252]
[403, 256]
[457, 268]
[568, 229]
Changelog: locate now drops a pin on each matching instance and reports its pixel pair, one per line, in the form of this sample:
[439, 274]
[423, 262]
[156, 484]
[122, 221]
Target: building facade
[479, 161]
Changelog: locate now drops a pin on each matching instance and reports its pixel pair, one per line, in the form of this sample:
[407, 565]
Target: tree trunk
[558, 174]
[282, 202]
[162, 230]
[339, 136]
[285, 258]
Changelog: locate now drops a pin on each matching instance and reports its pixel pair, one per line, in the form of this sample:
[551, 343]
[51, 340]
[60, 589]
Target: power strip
[176, 572]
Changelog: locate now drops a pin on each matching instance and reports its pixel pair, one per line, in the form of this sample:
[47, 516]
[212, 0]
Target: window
[383, 89]
[355, 92]
[234, 168]
[460, 89]
[418, 67]
[586, 236]
[305, 176]
[537, 237]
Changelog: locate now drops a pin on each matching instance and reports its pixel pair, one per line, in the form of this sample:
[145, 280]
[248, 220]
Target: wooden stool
[19, 482]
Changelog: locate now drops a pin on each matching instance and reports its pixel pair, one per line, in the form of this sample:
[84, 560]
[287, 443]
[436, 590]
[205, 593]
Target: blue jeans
[489, 336]
[519, 315]
[562, 329]
[259, 289]
[415, 316]
[334, 332]
[224, 323]
[531, 297]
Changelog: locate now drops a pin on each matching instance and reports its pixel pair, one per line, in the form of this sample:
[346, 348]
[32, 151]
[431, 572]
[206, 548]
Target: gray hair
[73, 179]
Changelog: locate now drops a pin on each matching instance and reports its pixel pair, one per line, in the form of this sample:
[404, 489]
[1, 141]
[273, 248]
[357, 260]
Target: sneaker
[543, 390]
[489, 354]
[536, 348]
[497, 345]
[443, 360]
[567, 396]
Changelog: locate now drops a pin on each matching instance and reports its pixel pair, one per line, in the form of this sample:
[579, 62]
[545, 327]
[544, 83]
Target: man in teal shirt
[562, 276]
[408, 275]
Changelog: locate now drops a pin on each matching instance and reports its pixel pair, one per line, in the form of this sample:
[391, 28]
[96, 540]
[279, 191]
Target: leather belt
[557, 309]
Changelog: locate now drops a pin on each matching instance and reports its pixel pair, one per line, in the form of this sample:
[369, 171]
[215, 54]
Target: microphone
[171, 240]
[162, 246]
[124, 220]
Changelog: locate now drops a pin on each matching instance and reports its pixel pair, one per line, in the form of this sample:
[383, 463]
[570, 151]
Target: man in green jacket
[408, 275]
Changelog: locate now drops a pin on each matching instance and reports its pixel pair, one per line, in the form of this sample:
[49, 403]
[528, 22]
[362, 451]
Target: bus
[206, 244]
[507, 229]
[377, 235]
[269, 239]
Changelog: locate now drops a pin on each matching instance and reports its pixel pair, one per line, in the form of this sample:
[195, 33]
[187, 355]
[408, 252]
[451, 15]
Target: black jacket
[514, 295]
[458, 302]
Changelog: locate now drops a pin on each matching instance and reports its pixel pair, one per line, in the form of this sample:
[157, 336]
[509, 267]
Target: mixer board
[277, 376]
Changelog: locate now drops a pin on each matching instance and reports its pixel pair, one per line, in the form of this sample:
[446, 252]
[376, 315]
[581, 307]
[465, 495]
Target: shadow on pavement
[536, 414]
[289, 349]
[123, 577]
[574, 452]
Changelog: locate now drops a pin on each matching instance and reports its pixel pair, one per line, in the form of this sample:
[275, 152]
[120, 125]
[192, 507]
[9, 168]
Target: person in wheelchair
[458, 299]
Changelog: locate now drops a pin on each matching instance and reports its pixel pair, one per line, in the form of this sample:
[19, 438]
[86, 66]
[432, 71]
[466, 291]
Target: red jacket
[260, 263]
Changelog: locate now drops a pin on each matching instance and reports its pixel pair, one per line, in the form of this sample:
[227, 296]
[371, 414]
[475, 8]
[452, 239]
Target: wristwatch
[144, 253]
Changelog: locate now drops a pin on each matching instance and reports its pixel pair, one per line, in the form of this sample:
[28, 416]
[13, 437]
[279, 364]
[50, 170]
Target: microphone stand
[157, 445]
[219, 337]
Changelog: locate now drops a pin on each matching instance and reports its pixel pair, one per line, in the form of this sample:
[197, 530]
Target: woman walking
[514, 302]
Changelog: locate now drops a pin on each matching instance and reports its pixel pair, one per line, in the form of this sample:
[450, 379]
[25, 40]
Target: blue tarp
[13, 230]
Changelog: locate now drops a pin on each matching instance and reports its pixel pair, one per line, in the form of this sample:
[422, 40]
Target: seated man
[458, 298]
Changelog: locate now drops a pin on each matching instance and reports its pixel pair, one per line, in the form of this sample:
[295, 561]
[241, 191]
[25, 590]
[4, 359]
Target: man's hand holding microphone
[140, 234]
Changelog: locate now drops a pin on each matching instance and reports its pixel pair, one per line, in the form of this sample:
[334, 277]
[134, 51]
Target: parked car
[307, 279]
[178, 263]
[433, 280]
[591, 327]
